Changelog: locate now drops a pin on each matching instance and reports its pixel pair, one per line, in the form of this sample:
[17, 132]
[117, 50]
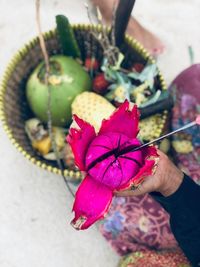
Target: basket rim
[72, 174]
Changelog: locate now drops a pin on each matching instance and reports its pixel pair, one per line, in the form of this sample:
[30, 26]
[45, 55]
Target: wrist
[173, 183]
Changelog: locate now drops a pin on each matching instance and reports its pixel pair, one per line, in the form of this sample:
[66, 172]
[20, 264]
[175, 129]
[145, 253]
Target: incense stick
[132, 148]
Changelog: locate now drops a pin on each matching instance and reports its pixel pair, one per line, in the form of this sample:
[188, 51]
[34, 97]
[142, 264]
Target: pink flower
[107, 168]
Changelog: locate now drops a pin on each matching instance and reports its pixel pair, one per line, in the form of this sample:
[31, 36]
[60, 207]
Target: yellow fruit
[149, 127]
[182, 146]
[92, 108]
[59, 137]
[43, 146]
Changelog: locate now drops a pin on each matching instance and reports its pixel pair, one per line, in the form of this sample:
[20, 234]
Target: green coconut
[67, 79]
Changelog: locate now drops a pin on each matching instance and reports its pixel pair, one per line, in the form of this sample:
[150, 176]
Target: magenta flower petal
[149, 154]
[108, 165]
[113, 171]
[124, 120]
[91, 203]
[149, 151]
[79, 140]
[140, 176]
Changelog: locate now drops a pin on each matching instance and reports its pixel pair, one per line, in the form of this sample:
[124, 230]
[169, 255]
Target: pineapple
[92, 108]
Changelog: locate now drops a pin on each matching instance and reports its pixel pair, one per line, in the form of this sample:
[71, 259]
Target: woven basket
[14, 109]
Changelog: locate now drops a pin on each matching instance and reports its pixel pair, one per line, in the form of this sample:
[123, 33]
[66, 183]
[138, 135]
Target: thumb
[145, 187]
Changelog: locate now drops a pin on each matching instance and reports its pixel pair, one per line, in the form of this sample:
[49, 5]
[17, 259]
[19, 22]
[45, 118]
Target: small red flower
[138, 67]
[107, 169]
[100, 84]
[91, 64]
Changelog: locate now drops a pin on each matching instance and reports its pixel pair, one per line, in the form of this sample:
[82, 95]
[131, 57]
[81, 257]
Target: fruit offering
[41, 140]
[89, 87]
[92, 108]
[67, 79]
[107, 168]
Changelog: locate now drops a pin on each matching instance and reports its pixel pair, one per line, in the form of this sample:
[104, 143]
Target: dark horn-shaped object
[166, 103]
[123, 14]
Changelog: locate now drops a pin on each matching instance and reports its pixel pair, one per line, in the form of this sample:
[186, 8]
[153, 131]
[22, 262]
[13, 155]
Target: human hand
[166, 180]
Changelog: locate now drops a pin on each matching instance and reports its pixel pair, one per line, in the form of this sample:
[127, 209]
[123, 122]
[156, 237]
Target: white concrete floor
[35, 207]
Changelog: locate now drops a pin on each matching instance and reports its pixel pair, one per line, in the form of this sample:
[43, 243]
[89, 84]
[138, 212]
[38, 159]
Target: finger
[160, 153]
[125, 193]
[143, 188]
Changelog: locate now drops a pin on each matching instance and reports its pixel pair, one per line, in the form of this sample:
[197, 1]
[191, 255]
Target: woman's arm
[180, 197]
[184, 209]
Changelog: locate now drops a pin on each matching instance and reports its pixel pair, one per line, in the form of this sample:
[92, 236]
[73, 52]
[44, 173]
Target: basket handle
[123, 14]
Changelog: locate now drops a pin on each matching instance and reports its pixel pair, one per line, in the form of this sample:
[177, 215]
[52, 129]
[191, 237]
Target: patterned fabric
[136, 223]
[155, 259]
[185, 110]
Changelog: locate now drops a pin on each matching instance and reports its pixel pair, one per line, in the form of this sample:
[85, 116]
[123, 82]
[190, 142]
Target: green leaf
[148, 74]
[158, 96]
[67, 37]
[191, 54]
[118, 64]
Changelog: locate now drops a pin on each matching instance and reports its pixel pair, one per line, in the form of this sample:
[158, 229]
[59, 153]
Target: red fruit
[100, 84]
[138, 67]
[117, 104]
[91, 64]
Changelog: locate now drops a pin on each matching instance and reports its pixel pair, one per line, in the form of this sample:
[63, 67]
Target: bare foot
[152, 44]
